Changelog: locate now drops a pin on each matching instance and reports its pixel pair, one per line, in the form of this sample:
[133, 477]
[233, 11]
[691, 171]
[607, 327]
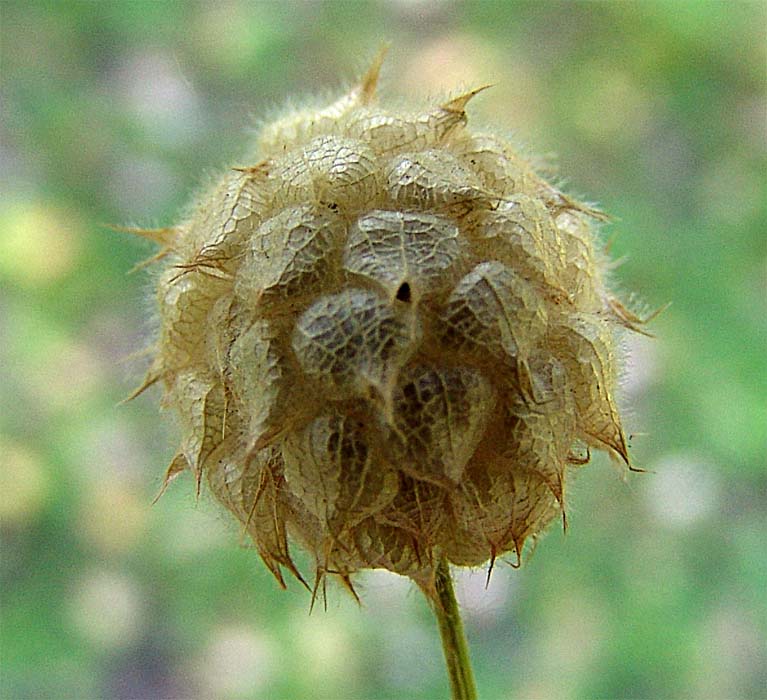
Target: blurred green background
[115, 111]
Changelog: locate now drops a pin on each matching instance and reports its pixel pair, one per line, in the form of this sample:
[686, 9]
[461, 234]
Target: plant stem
[454, 644]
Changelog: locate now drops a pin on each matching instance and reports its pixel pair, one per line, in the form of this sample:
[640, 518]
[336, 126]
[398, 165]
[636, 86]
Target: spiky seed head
[387, 340]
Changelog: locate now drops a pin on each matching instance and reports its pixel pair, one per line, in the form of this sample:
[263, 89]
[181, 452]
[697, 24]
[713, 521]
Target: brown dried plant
[390, 341]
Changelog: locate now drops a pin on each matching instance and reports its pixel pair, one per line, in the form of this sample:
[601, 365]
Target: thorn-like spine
[369, 83]
[457, 105]
[162, 236]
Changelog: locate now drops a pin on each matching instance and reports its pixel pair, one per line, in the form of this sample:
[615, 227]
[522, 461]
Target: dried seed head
[386, 340]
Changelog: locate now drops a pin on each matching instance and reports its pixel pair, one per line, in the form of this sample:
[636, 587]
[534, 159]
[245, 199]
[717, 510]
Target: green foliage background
[115, 111]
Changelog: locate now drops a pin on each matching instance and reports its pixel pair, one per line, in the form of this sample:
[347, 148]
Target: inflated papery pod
[388, 341]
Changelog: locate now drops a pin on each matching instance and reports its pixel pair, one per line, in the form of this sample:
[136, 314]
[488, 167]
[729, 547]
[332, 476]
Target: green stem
[454, 644]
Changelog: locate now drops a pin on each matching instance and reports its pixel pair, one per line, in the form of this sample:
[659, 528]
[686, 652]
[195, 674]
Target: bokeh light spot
[40, 242]
[106, 609]
[24, 484]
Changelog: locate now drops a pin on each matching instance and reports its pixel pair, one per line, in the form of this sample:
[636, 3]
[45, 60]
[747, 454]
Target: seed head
[388, 340]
